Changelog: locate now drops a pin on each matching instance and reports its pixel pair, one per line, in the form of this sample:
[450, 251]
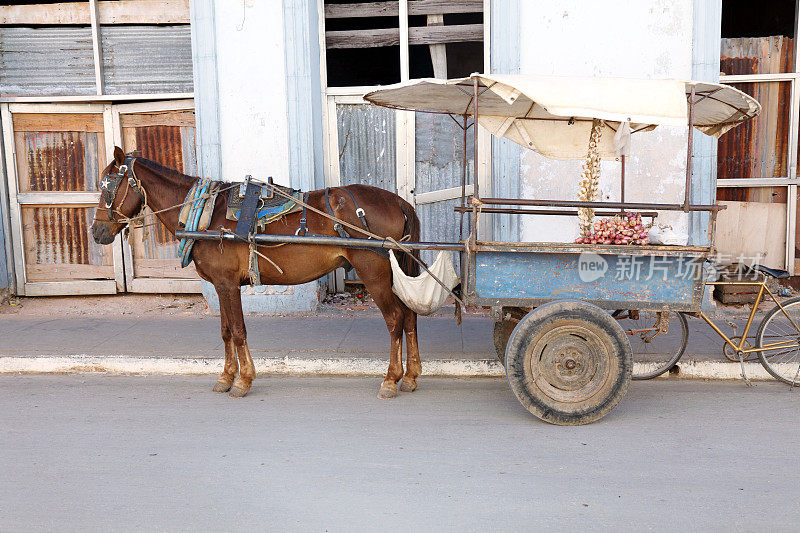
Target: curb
[323, 366]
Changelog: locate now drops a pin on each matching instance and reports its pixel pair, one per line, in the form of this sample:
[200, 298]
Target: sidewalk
[334, 342]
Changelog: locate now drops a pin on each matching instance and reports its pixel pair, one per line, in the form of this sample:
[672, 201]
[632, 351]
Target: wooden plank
[367, 9]
[362, 38]
[435, 7]
[390, 9]
[416, 35]
[743, 230]
[70, 199]
[163, 268]
[178, 286]
[458, 33]
[109, 12]
[438, 51]
[97, 52]
[70, 288]
[58, 122]
[166, 118]
[68, 272]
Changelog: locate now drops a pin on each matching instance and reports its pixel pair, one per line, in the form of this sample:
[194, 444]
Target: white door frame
[16, 200]
[149, 285]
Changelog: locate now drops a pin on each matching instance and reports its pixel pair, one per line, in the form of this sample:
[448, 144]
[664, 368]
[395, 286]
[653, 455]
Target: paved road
[97, 453]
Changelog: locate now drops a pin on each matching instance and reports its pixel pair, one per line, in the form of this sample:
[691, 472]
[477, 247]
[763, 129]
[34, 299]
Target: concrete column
[242, 65]
[505, 43]
[706, 39]
[206, 90]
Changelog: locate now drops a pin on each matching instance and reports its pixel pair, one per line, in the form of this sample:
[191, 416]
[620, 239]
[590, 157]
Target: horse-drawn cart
[567, 359]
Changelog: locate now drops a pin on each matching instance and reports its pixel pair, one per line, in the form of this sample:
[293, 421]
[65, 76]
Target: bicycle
[777, 340]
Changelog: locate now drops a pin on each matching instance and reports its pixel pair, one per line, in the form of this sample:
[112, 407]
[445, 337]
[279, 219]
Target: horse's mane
[168, 173]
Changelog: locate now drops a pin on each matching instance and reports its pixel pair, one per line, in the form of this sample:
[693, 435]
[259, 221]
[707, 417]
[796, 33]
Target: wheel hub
[569, 363]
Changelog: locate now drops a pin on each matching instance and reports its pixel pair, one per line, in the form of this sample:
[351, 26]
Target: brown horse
[227, 267]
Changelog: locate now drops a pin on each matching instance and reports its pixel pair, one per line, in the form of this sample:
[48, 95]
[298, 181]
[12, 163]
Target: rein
[109, 188]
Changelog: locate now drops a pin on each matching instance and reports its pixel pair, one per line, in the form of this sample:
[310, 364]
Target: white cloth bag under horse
[422, 294]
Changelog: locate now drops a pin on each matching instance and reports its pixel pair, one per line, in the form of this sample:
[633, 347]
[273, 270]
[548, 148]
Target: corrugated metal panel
[758, 148]
[46, 61]
[60, 235]
[367, 146]
[163, 144]
[146, 59]
[60, 161]
[439, 165]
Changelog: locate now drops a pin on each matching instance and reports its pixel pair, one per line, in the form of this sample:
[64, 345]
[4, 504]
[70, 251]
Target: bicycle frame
[740, 348]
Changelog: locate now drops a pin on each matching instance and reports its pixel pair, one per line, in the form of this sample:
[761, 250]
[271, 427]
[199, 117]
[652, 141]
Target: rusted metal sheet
[758, 148]
[60, 235]
[163, 144]
[60, 161]
[611, 281]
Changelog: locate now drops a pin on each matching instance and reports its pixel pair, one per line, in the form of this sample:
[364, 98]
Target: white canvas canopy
[553, 115]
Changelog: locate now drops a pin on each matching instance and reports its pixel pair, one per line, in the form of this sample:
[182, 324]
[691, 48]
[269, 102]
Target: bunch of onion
[619, 229]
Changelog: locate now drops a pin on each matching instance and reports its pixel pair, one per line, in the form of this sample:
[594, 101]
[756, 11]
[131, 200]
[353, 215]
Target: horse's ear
[119, 155]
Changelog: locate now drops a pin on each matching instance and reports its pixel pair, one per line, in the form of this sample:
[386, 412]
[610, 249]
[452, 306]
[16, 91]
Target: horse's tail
[410, 229]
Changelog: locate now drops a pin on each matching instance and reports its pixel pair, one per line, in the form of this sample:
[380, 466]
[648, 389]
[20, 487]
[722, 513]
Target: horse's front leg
[228, 375]
[231, 299]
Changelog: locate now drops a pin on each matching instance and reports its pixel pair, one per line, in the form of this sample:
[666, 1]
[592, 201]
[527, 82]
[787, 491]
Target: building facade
[224, 89]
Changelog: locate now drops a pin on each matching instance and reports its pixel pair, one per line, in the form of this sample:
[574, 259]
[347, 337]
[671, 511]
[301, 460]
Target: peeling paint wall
[643, 39]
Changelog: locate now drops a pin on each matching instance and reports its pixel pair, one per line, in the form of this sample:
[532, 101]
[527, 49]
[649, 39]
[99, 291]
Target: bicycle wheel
[783, 363]
[654, 352]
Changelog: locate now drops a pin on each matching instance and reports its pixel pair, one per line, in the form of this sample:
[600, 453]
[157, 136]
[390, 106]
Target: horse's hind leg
[232, 300]
[413, 362]
[377, 281]
[228, 375]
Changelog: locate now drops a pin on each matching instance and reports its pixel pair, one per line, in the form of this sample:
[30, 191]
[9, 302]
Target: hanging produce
[590, 178]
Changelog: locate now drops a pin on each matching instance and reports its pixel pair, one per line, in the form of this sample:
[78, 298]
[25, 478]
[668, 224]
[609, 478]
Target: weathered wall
[245, 62]
[643, 39]
[251, 80]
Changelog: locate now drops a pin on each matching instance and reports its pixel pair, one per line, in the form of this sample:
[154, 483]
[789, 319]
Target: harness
[303, 229]
[109, 186]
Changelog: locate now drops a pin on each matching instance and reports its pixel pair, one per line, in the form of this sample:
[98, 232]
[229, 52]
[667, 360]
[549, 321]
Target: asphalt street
[96, 452]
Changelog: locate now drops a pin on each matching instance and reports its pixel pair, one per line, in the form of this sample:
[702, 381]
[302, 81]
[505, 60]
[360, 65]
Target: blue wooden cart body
[611, 277]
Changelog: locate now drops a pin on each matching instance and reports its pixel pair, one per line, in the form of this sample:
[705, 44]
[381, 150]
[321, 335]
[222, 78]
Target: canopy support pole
[688, 191]
[622, 179]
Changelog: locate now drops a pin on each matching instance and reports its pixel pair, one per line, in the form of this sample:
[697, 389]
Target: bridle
[109, 187]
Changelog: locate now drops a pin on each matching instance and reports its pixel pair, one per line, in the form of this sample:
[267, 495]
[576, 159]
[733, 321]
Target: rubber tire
[502, 332]
[675, 358]
[761, 355]
[550, 318]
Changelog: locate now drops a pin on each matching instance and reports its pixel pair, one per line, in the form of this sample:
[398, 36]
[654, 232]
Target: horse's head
[120, 198]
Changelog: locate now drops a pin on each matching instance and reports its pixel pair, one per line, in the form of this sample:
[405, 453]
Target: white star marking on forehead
[104, 184]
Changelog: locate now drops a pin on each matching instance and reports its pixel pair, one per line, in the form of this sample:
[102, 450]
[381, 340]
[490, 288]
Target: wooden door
[54, 157]
[163, 132]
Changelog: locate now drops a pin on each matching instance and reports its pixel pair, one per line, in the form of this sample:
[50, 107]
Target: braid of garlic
[590, 178]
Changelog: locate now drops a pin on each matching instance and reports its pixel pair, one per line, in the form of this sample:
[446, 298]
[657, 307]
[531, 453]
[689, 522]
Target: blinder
[109, 186]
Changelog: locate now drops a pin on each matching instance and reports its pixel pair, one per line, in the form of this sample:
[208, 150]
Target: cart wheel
[502, 332]
[568, 362]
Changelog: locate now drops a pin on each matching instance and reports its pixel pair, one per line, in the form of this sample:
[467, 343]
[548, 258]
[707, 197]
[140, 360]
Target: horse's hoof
[387, 392]
[408, 385]
[222, 386]
[238, 392]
